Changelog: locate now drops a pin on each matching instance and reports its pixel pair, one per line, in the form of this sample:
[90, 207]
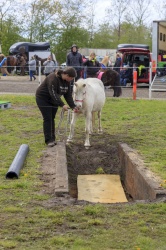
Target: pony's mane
[105, 61]
[2, 55]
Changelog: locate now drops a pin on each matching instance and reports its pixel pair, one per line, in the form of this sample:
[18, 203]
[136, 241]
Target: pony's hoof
[87, 146]
[69, 140]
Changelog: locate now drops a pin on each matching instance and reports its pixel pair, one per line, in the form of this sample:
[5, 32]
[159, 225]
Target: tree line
[64, 22]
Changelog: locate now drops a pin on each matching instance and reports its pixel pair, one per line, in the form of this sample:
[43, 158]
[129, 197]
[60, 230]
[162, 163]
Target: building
[159, 40]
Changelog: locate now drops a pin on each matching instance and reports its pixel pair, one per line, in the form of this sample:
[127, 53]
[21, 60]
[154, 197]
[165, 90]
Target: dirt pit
[101, 157]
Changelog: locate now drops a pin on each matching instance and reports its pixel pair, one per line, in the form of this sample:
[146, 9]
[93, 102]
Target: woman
[49, 66]
[93, 65]
[48, 99]
[32, 68]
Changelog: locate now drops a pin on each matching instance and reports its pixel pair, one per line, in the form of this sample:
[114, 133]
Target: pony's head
[36, 57]
[2, 56]
[105, 61]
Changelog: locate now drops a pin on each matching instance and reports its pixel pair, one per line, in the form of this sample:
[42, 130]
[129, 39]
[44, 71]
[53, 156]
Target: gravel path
[21, 84]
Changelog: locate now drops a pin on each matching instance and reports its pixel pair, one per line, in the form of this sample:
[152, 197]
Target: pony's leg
[87, 129]
[72, 126]
[13, 71]
[99, 122]
[92, 123]
[4, 71]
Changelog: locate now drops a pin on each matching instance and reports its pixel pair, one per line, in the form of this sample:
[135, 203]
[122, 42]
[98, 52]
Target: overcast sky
[100, 7]
[155, 6]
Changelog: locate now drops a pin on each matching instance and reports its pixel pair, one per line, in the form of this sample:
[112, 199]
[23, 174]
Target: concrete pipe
[18, 162]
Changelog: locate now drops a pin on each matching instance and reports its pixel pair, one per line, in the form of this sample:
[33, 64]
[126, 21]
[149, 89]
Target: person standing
[32, 68]
[117, 63]
[49, 66]
[83, 73]
[48, 99]
[74, 59]
[93, 65]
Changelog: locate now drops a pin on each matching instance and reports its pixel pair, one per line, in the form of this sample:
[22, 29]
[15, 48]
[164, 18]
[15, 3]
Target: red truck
[136, 56]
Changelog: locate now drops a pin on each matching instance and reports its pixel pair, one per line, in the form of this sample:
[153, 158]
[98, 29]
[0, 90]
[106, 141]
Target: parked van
[40, 49]
[137, 56]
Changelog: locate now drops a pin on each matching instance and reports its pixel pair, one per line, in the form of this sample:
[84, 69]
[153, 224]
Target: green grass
[26, 224]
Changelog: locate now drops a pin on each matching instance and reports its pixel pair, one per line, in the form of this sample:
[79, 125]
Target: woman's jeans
[48, 112]
[31, 74]
[124, 81]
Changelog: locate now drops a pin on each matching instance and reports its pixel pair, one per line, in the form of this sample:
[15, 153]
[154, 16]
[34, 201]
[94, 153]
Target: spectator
[83, 73]
[49, 66]
[93, 65]
[32, 68]
[117, 63]
[125, 76]
[74, 59]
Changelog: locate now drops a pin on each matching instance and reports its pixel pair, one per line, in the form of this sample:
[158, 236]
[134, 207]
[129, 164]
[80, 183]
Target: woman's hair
[70, 71]
[92, 54]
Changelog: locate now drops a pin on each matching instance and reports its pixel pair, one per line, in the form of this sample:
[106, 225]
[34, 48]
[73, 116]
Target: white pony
[88, 96]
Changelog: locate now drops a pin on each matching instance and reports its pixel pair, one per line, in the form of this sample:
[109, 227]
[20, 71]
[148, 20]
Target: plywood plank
[100, 188]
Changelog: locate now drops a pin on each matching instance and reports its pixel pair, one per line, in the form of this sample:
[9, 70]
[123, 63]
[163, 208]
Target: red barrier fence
[134, 84]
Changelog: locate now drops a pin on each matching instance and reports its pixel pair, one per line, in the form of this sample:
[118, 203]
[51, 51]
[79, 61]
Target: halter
[77, 100]
[103, 66]
[99, 76]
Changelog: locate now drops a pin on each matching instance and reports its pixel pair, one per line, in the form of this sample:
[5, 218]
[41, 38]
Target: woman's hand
[65, 108]
[76, 110]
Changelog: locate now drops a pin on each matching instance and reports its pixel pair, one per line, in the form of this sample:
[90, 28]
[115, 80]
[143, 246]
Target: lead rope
[67, 123]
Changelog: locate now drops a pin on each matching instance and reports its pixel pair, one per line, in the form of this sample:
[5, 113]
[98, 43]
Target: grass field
[26, 223]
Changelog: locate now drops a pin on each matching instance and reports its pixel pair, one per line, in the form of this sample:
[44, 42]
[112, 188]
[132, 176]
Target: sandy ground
[21, 84]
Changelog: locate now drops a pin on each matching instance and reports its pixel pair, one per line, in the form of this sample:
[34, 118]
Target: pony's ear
[75, 84]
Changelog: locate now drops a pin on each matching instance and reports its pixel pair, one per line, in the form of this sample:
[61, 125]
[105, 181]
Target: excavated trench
[62, 164]
[138, 182]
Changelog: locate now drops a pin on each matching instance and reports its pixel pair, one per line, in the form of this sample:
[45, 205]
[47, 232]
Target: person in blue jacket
[125, 76]
[117, 63]
[74, 59]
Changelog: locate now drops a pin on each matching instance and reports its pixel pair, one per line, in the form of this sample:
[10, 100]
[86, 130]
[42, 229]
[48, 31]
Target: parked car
[63, 65]
[139, 56]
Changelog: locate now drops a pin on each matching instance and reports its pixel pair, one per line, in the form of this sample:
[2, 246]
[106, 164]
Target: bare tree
[116, 14]
[90, 18]
[37, 16]
[160, 9]
[141, 11]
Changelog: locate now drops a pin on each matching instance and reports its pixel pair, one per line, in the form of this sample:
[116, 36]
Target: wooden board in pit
[102, 188]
